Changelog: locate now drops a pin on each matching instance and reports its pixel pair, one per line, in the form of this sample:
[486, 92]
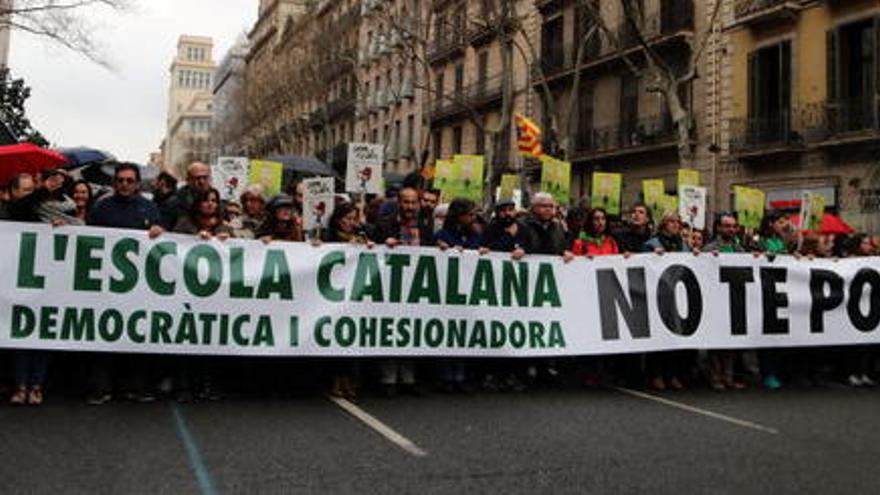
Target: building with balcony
[801, 102]
[190, 104]
[467, 87]
[616, 124]
[229, 111]
[389, 109]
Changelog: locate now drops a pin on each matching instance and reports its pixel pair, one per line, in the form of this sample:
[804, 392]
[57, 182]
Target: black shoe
[184, 397]
[412, 390]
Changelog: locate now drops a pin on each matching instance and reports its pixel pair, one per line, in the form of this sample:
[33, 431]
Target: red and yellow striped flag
[528, 137]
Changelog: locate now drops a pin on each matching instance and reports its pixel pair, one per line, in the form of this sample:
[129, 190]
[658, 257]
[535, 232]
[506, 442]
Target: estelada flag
[528, 137]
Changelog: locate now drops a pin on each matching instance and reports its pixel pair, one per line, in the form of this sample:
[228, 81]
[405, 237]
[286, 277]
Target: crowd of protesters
[411, 216]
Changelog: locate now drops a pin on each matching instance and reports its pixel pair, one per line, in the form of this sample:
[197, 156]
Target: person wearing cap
[282, 223]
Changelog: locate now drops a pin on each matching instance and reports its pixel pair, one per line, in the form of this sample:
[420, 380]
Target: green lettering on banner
[369, 332]
[237, 287]
[425, 284]
[85, 263]
[276, 277]
[24, 321]
[237, 336]
[48, 322]
[160, 327]
[294, 331]
[153, 267]
[517, 335]
[124, 265]
[186, 329]
[264, 335]
[367, 279]
[325, 270]
[110, 325]
[346, 332]
[453, 294]
[397, 262]
[483, 289]
[386, 329]
[478, 336]
[195, 257]
[545, 287]
[78, 324]
[131, 329]
[27, 260]
[556, 339]
[320, 339]
[207, 320]
[456, 333]
[497, 335]
[536, 335]
[403, 333]
[515, 284]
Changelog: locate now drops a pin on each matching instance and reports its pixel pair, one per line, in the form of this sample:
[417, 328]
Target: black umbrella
[80, 156]
[304, 165]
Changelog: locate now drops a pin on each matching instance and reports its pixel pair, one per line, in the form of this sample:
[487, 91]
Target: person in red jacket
[596, 241]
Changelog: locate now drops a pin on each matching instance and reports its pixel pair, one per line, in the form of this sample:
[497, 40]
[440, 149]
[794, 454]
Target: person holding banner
[721, 363]
[632, 238]
[282, 223]
[253, 213]
[596, 241]
[404, 228]
[670, 367]
[205, 218]
[458, 227]
[458, 232]
[124, 209]
[775, 240]
[860, 360]
[544, 233]
[198, 180]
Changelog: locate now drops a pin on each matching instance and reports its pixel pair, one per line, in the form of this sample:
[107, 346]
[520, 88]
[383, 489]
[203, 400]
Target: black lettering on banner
[822, 302]
[773, 300]
[737, 277]
[869, 322]
[667, 304]
[612, 299]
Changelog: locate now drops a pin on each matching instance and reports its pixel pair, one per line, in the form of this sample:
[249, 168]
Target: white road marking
[697, 410]
[379, 427]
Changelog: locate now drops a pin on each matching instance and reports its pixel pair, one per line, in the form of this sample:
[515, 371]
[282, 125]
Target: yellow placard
[606, 192]
[749, 205]
[688, 177]
[268, 174]
[556, 179]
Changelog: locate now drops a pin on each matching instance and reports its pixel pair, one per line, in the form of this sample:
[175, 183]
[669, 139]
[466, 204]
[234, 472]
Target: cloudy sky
[76, 102]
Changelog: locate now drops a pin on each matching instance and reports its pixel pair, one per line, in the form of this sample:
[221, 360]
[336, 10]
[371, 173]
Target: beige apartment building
[801, 104]
[620, 125]
[390, 107]
[469, 87]
[190, 104]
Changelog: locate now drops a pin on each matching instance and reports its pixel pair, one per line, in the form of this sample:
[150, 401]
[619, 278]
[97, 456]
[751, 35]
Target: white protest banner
[364, 172]
[89, 289]
[318, 202]
[230, 176]
[692, 206]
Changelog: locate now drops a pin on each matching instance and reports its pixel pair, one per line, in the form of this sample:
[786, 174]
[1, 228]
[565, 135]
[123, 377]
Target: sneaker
[19, 398]
[854, 381]
[772, 383]
[35, 396]
[98, 399]
[867, 382]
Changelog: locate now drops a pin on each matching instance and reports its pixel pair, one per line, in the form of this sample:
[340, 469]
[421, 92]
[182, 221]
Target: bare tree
[63, 22]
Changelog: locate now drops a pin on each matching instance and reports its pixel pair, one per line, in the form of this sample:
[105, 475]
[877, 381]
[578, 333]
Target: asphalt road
[561, 441]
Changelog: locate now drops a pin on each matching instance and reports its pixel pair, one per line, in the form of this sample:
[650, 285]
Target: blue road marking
[192, 452]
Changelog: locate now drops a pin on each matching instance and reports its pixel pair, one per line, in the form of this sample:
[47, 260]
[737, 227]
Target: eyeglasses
[201, 177]
[125, 180]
